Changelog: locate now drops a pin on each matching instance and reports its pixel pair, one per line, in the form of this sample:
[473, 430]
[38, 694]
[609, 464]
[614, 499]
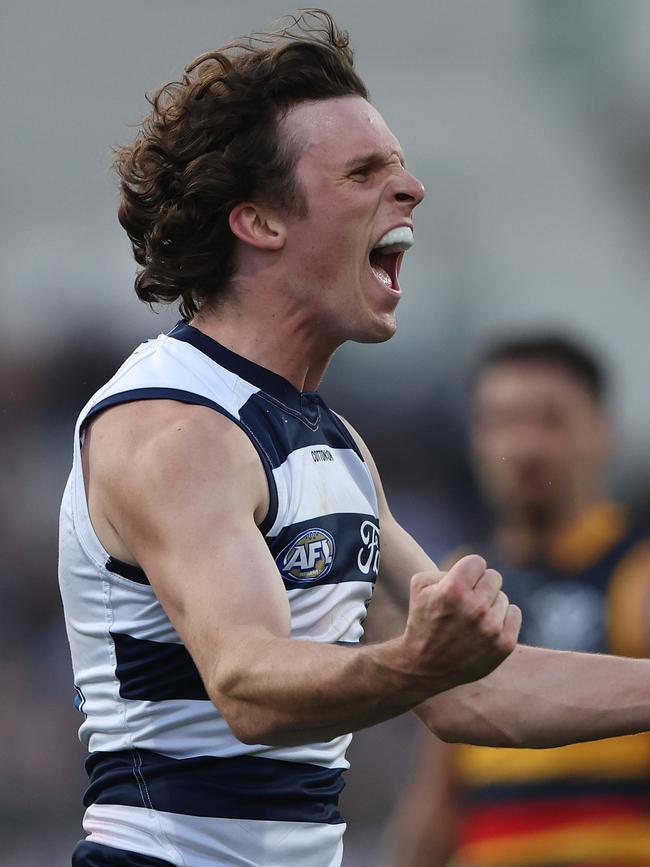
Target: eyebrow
[374, 157]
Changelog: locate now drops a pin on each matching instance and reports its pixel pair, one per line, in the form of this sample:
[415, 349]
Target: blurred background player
[541, 440]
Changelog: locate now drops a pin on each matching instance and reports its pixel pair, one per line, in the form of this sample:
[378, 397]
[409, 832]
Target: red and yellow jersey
[584, 804]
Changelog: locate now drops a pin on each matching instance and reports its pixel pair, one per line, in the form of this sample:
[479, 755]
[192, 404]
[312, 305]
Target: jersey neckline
[271, 383]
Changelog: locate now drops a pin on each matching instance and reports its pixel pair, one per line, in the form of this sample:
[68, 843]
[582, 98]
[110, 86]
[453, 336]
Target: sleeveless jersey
[582, 804]
[168, 779]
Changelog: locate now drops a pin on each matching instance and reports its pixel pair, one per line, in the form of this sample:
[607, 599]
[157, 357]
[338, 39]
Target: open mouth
[387, 254]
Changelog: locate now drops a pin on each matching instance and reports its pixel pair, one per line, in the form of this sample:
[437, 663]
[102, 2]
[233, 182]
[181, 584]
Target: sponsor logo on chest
[320, 455]
[309, 557]
[368, 556]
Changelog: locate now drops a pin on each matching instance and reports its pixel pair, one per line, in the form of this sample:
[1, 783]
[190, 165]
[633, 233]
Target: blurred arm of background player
[537, 697]
[422, 830]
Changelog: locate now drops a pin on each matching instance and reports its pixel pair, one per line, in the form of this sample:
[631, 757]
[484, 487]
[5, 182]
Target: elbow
[254, 726]
[241, 727]
[250, 735]
[241, 716]
[273, 737]
[246, 722]
[250, 722]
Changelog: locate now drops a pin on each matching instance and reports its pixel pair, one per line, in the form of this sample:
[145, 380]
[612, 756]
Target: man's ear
[257, 226]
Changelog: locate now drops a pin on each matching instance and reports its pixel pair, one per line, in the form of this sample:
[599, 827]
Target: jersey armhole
[191, 397]
[346, 433]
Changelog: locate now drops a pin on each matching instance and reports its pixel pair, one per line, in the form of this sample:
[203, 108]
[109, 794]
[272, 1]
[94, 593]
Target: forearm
[274, 689]
[288, 692]
[545, 698]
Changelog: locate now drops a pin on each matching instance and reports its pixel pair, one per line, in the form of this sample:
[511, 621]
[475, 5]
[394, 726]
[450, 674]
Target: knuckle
[479, 612]
[453, 578]
[425, 579]
[490, 628]
[452, 593]
[418, 582]
[473, 564]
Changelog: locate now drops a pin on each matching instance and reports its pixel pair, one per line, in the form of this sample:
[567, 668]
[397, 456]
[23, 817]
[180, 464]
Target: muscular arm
[537, 697]
[178, 489]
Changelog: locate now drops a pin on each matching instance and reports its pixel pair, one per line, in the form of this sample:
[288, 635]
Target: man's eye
[362, 172]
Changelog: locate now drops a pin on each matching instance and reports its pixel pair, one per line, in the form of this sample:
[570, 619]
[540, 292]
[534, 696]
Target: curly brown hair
[212, 140]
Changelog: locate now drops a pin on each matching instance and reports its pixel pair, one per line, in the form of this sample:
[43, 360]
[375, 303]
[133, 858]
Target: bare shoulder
[146, 426]
[147, 451]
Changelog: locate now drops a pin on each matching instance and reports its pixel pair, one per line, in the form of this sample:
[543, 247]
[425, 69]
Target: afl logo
[309, 557]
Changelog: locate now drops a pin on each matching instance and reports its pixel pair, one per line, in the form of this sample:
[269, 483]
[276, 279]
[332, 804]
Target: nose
[409, 189]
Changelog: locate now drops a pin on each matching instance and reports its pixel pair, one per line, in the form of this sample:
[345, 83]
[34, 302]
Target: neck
[279, 336]
[524, 536]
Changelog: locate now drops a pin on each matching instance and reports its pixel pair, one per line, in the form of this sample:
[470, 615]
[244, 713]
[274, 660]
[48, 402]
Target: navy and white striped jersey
[168, 779]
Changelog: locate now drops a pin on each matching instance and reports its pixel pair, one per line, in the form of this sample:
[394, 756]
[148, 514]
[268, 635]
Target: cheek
[497, 445]
[339, 246]
[492, 462]
[568, 458]
[585, 454]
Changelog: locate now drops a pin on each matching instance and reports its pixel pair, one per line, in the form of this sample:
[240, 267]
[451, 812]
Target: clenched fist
[460, 624]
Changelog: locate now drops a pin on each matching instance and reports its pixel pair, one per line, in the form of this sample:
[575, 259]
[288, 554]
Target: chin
[379, 331]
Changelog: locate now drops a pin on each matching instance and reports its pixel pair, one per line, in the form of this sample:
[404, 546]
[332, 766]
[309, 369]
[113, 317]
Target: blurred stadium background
[528, 121]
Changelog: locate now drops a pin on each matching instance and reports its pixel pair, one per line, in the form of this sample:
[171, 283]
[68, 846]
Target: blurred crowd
[42, 775]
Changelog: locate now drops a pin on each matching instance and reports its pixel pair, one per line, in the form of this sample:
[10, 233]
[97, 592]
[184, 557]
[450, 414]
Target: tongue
[382, 275]
[384, 267]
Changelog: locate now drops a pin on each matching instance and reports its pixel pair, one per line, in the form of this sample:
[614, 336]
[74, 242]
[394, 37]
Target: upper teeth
[398, 239]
